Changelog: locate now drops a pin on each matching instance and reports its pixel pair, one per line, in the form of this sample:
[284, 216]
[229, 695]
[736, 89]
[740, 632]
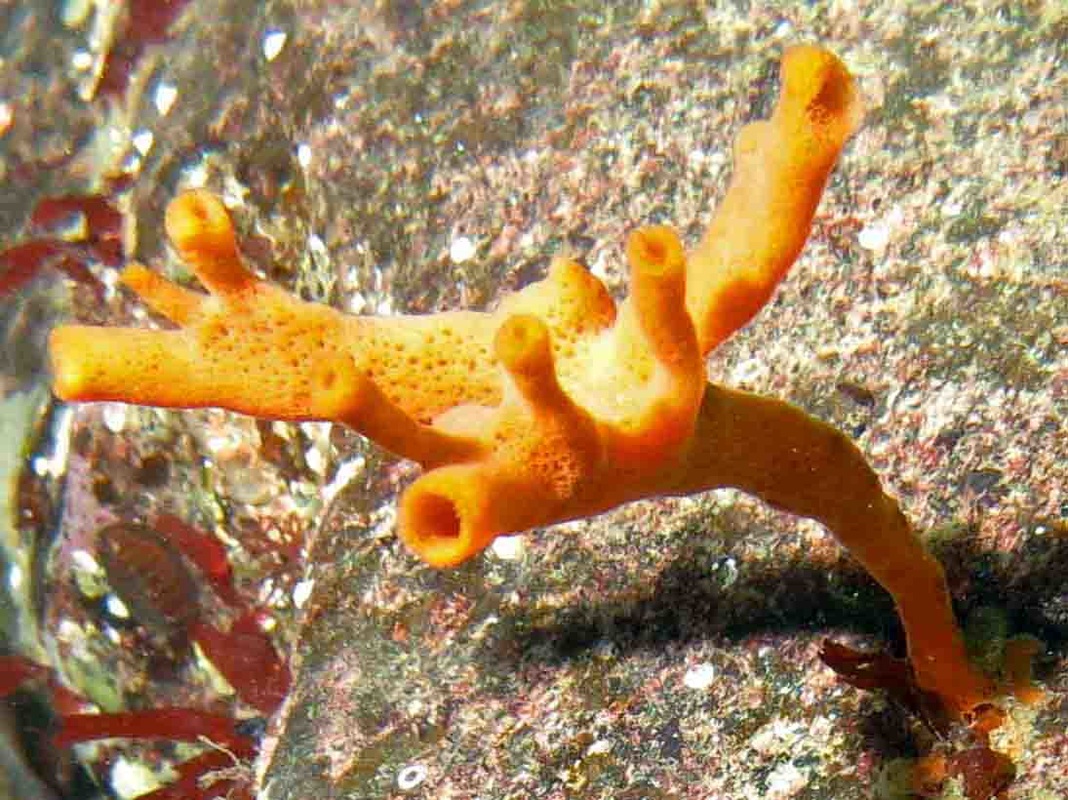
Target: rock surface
[400, 156]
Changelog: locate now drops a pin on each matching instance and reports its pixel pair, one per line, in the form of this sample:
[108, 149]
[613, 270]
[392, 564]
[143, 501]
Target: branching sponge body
[557, 405]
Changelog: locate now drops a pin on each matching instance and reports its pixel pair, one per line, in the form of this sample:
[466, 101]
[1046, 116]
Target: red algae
[99, 241]
[247, 659]
[103, 222]
[205, 551]
[147, 570]
[149, 576]
[16, 671]
[147, 22]
[179, 724]
[880, 671]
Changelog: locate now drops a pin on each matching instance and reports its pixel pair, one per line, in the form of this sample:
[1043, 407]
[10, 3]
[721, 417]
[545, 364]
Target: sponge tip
[197, 222]
[817, 80]
[69, 378]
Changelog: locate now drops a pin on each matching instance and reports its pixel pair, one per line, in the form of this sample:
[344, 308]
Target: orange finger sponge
[557, 405]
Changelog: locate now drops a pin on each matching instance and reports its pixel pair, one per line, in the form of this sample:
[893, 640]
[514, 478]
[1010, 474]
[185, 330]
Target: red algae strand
[149, 576]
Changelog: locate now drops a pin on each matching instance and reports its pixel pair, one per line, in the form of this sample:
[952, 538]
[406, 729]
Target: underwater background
[397, 157]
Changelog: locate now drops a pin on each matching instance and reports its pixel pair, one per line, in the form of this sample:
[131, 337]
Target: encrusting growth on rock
[557, 405]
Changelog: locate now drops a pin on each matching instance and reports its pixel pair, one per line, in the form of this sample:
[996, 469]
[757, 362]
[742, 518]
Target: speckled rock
[365, 144]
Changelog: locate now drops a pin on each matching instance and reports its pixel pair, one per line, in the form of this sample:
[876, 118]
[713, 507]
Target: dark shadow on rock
[1029, 584]
[886, 729]
[688, 602]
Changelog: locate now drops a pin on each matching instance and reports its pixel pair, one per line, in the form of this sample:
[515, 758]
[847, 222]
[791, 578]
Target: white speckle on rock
[68, 631]
[143, 141]
[273, 42]
[750, 372]
[357, 303]
[132, 778]
[699, 676]
[343, 476]
[164, 97]
[599, 748]
[874, 237]
[75, 13]
[196, 177]
[82, 60]
[56, 464]
[462, 249]
[951, 208]
[509, 548]
[115, 417]
[302, 591]
[411, 777]
[15, 577]
[785, 781]
[777, 737]
[304, 155]
[116, 607]
[316, 460]
[599, 268]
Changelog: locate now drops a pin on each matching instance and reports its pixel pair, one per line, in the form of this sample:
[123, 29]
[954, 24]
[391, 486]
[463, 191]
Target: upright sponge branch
[780, 167]
[558, 405]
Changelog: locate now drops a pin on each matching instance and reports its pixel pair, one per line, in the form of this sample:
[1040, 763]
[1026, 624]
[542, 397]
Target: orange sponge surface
[558, 404]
